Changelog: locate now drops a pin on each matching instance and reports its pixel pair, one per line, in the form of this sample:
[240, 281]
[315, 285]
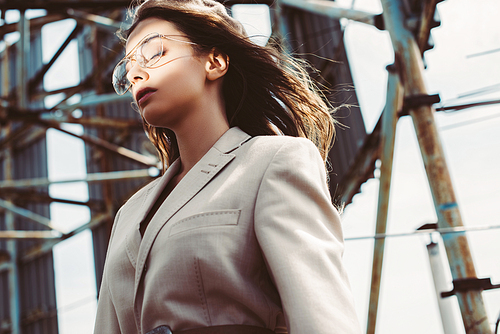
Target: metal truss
[32, 123]
[22, 125]
[407, 95]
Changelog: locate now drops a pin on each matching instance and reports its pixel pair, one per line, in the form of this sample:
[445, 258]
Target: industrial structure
[119, 156]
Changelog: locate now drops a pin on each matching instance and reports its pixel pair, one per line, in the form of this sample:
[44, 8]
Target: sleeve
[106, 319]
[299, 232]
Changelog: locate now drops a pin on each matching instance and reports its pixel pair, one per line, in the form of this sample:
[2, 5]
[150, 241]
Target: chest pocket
[205, 219]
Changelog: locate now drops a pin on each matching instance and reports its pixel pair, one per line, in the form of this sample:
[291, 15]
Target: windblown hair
[265, 91]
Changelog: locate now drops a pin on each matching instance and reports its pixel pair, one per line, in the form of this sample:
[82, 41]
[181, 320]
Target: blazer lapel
[133, 238]
[201, 174]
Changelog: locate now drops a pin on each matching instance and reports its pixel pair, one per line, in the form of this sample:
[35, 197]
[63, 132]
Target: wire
[482, 53]
[444, 230]
[480, 91]
[467, 106]
[473, 121]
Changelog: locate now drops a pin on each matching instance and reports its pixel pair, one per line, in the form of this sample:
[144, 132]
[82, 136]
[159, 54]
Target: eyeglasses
[147, 54]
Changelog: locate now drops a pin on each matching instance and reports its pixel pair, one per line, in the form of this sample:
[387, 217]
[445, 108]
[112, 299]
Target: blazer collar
[133, 238]
[228, 142]
[231, 140]
[202, 173]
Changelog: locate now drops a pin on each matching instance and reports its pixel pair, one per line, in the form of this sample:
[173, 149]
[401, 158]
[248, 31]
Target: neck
[199, 133]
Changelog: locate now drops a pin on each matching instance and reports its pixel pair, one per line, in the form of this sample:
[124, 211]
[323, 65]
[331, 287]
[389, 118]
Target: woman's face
[174, 85]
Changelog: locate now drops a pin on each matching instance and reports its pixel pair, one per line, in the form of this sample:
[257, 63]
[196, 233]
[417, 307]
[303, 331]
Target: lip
[143, 94]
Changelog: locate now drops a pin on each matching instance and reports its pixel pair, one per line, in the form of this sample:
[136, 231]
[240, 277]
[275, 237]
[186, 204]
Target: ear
[217, 64]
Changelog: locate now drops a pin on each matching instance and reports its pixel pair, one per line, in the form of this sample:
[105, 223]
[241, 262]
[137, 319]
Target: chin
[156, 119]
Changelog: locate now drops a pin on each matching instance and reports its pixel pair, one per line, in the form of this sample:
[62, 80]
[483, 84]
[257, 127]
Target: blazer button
[145, 268]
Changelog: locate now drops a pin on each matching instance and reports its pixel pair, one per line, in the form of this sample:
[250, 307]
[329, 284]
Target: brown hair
[265, 91]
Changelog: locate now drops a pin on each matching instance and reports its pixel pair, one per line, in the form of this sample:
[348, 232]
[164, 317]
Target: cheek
[187, 83]
[179, 90]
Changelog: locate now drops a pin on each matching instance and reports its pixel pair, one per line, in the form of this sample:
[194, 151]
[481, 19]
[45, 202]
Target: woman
[239, 235]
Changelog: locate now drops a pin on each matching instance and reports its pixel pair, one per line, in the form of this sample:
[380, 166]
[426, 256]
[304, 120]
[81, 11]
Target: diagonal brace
[28, 214]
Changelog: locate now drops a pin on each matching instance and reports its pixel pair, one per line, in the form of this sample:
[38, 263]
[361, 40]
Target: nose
[136, 73]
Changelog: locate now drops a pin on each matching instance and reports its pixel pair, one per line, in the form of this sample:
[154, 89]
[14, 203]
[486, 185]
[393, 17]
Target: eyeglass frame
[132, 55]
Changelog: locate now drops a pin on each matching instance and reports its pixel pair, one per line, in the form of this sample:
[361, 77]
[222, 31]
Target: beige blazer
[249, 236]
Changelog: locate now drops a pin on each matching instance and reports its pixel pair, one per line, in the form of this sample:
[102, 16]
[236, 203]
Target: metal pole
[331, 9]
[29, 235]
[14, 296]
[101, 143]
[90, 178]
[13, 273]
[440, 284]
[23, 61]
[282, 30]
[389, 120]
[7, 205]
[461, 264]
[105, 163]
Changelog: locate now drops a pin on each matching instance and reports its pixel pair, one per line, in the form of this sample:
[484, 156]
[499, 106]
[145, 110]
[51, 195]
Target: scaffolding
[120, 157]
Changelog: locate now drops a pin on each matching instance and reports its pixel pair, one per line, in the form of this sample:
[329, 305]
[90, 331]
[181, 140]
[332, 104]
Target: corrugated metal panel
[314, 38]
[122, 190]
[134, 139]
[36, 277]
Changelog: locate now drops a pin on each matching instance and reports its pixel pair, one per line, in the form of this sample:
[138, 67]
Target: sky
[471, 142]
[470, 139]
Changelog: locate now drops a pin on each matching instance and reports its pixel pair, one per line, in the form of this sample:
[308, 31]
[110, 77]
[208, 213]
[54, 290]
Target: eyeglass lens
[146, 55]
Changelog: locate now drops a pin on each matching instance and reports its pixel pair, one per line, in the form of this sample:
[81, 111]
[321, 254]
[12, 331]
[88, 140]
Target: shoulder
[281, 140]
[284, 145]
[286, 156]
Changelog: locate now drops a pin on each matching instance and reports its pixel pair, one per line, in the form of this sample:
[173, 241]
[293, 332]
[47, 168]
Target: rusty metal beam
[69, 91]
[93, 100]
[58, 5]
[49, 115]
[33, 134]
[394, 103]
[281, 30]
[35, 23]
[45, 247]
[99, 21]
[362, 166]
[119, 150]
[331, 9]
[101, 122]
[29, 235]
[27, 214]
[32, 196]
[408, 53]
[38, 77]
[21, 102]
[14, 135]
[426, 21]
[95, 177]
[89, 81]
[23, 52]
[26, 137]
[41, 249]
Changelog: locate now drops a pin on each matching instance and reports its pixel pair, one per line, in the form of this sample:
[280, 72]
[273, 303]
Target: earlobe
[217, 64]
